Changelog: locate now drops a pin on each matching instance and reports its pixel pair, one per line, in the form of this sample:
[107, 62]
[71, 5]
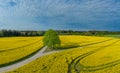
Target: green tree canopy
[51, 39]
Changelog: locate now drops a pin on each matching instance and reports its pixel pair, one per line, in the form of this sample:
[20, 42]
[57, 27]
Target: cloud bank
[60, 14]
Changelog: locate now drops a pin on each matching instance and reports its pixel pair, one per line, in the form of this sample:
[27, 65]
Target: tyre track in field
[74, 63]
[98, 67]
[96, 42]
[20, 47]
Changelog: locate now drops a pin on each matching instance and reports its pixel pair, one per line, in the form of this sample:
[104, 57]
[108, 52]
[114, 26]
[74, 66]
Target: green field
[116, 36]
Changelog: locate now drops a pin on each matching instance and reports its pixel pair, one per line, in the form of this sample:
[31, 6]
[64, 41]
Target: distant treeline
[9, 33]
[88, 33]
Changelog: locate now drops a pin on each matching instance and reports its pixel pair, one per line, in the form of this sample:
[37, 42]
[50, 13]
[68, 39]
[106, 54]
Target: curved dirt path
[26, 61]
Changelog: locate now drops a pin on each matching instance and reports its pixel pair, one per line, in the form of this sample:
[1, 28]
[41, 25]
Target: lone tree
[51, 39]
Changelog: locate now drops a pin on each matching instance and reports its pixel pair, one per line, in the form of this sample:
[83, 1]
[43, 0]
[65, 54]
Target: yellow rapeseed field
[97, 55]
[80, 40]
[15, 48]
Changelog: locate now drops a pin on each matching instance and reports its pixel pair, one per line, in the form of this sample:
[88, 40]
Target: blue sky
[60, 14]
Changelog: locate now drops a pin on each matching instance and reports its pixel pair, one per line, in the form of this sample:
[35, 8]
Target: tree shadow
[63, 47]
[68, 46]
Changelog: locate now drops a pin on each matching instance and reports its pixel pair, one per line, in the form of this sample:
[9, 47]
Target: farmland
[15, 48]
[92, 55]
